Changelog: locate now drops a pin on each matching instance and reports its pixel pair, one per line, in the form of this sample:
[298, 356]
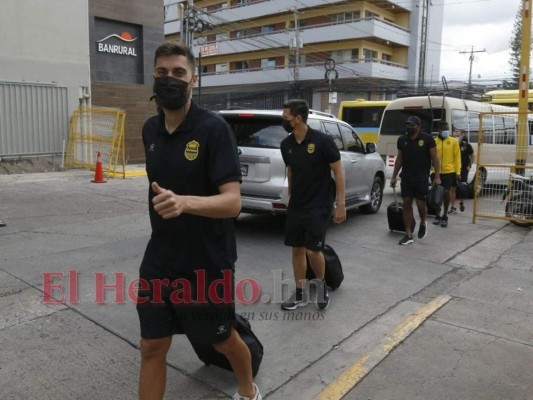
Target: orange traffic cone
[99, 173]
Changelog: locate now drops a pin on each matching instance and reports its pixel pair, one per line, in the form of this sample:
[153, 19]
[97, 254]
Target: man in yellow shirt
[450, 168]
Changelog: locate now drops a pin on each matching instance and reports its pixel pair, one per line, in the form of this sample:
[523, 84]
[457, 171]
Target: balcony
[314, 34]
[257, 9]
[367, 68]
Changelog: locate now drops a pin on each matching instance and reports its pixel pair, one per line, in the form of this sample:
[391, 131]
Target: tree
[515, 44]
[516, 47]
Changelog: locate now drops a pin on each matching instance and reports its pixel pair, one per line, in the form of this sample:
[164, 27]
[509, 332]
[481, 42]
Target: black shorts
[200, 305]
[307, 228]
[447, 180]
[417, 189]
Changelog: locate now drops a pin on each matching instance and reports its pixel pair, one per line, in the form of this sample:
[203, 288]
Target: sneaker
[422, 231]
[2, 224]
[257, 396]
[444, 222]
[453, 210]
[293, 303]
[322, 295]
[436, 221]
[461, 206]
[406, 240]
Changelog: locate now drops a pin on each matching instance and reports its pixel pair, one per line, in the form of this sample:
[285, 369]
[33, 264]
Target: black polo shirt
[416, 163]
[196, 159]
[311, 185]
[466, 151]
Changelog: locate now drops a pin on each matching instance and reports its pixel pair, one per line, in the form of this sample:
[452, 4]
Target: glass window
[369, 55]
[510, 129]
[355, 54]
[353, 143]
[268, 63]
[363, 116]
[332, 129]
[370, 14]
[268, 28]
[488, 129]
[394, 120]
[260, 132]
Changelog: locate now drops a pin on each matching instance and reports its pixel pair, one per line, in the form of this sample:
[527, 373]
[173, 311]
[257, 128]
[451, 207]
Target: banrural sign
[125, 49]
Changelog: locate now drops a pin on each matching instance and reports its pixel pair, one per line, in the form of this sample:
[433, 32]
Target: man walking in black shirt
[310, 156]
[416, 154]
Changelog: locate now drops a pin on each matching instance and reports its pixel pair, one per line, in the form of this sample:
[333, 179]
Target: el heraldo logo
[104, 45]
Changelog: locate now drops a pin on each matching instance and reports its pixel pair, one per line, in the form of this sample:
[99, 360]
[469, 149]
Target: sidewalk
[479, 345]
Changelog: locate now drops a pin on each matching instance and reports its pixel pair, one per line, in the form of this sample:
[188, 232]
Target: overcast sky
[484, 24]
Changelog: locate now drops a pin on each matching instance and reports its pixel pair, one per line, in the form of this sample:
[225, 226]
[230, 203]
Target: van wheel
[376, 196]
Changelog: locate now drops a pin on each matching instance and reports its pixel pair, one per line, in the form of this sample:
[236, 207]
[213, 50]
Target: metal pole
[522, 134]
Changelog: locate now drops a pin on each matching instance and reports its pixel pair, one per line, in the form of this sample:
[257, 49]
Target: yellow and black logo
[311, 148]
[191, 150]
[420, 143]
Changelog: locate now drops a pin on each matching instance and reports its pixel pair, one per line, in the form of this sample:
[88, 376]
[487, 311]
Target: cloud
[481, 24]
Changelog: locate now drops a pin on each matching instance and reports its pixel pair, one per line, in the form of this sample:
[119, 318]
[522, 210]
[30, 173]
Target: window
[369, 55]
[370, 14]
[510, 129]
[268, 63]
[332, 129]
[355, 54]
[221, 68]
[353, 143]
[386, 57]
[242, 65]
[268, 28]
[345, 17]
[341, 55]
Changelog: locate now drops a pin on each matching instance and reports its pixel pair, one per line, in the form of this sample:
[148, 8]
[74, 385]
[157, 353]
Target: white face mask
[445, 134]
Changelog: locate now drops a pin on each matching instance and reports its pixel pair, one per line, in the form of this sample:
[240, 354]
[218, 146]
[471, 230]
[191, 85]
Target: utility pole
[472, 51]
[423, 45]
[295, 43]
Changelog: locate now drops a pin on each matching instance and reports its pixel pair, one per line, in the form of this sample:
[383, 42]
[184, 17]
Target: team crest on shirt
[420, 143]
[311, 148]
[191, 150]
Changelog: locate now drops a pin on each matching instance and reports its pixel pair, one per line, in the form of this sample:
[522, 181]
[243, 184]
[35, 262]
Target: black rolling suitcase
[333, 274]
[208, 355]
[395, 215]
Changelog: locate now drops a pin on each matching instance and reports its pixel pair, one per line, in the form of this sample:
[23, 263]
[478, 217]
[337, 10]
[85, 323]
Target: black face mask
[170, 93]
[409, 131]
[287, 126]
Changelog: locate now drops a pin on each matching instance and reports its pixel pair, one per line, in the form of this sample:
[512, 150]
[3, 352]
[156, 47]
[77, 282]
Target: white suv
[264, 179]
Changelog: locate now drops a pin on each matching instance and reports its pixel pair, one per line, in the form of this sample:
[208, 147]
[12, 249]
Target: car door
[349, 160]
[359, 164]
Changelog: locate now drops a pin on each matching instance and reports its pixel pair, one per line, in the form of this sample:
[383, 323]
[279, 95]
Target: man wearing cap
[416, 154]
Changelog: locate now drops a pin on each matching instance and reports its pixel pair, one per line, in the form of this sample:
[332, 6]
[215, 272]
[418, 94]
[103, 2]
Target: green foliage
[515, 45]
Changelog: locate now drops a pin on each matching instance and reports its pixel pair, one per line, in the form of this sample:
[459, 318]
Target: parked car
[264, 186]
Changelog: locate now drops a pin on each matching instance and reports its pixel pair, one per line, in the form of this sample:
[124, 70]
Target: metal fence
[504, 169]
[34, 119]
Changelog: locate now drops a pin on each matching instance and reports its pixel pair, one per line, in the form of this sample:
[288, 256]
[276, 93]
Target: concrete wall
[46, 42]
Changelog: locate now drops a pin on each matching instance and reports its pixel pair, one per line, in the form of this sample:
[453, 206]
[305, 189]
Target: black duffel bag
[334, 275]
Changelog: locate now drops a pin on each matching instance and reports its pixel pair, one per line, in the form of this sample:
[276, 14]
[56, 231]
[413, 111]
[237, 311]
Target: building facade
[258, 52]
[56, 56]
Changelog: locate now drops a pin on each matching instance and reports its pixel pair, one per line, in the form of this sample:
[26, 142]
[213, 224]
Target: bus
[505, 97]
[499, 130]
[364, 116]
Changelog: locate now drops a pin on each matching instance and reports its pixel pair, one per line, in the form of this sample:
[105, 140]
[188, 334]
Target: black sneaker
[293, 303]
[461, 206]
[406, 240]
[436, 221]
[444, 222]
[322, 295]
[422, 231]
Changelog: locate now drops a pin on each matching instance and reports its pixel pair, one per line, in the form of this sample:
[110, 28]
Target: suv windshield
[257, 130]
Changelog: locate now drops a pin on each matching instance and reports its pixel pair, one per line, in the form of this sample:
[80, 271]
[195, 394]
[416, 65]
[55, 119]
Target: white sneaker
[257, 396]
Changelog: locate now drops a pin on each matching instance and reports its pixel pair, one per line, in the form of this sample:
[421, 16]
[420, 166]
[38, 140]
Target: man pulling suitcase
[416, 155]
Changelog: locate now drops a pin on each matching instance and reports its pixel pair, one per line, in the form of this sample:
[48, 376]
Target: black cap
[413, 119]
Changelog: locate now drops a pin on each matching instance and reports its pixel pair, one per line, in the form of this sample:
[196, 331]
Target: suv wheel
[376, 196]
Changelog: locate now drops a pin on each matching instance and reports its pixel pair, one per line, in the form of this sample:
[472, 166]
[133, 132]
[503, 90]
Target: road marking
[357, 371]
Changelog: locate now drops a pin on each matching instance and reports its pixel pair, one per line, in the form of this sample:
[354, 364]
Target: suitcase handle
[395, 198]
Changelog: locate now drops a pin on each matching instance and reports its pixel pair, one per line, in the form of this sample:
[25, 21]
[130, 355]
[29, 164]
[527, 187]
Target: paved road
[477, 345]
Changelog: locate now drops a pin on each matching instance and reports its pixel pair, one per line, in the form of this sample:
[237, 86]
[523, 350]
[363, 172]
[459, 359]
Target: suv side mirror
[370, 147]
